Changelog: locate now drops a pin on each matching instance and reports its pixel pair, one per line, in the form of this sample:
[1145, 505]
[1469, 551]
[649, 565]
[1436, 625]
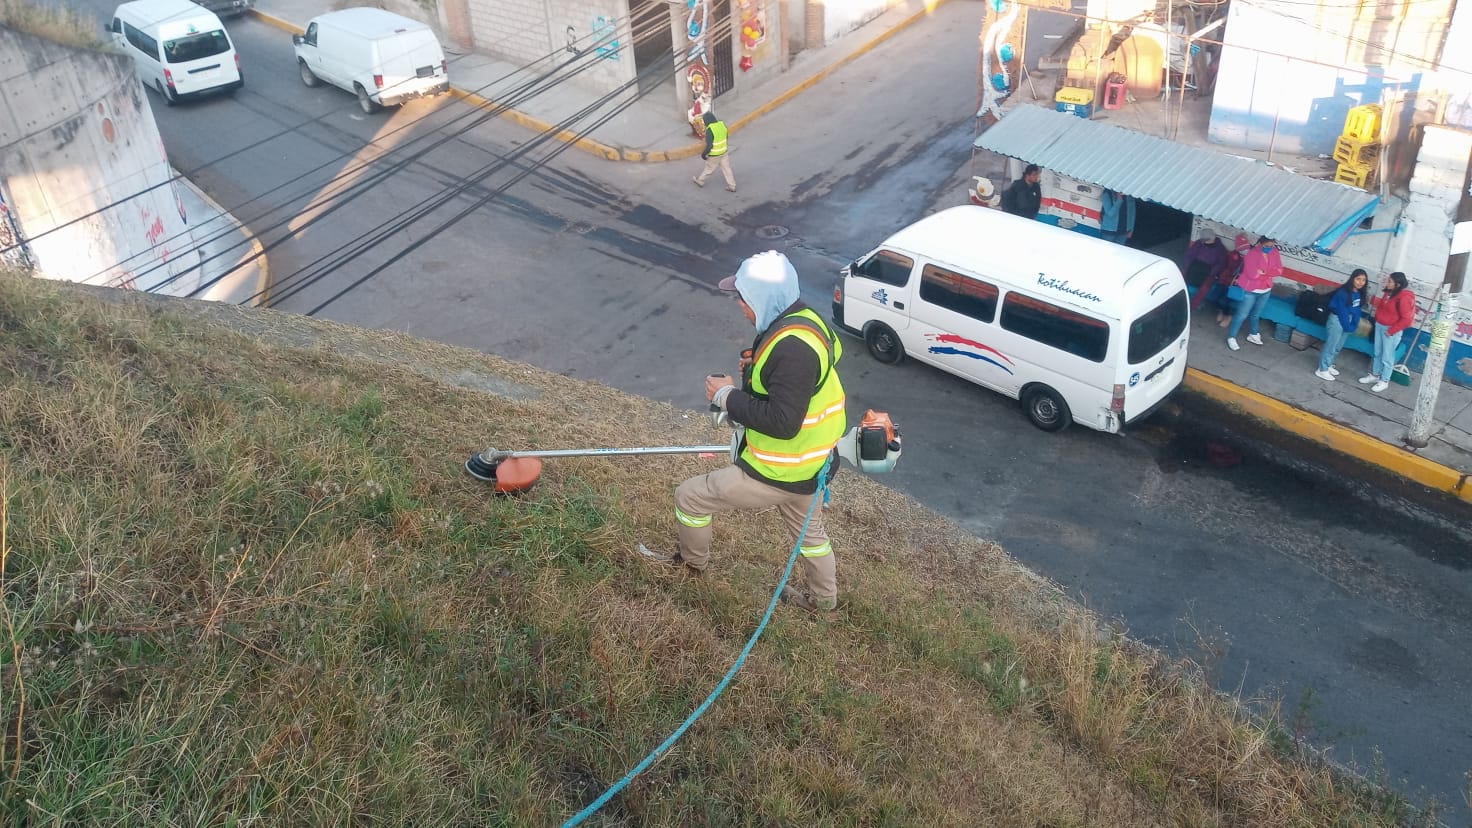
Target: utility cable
[453, 191]
[525, 92]
[518, 95]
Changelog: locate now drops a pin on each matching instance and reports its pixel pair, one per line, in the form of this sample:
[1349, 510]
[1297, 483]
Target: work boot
[698, 182]
[730, 188]
[823, 607]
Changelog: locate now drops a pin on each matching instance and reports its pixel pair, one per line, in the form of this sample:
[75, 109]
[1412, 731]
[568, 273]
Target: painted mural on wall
[697, 67]
[996, 53]
[605, 31]
[753, 31]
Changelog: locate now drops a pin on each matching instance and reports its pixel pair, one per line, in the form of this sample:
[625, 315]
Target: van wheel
[163, 93]
[884, 344]
[1046, 408]
[308, 78]
[365, 103]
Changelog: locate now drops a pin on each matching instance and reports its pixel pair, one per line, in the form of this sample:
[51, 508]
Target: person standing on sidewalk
[791, 405]
[715, 152]
[1345, 305]
[1116, 216]
[1394, 312]
[1024, 197]
[1260, 267]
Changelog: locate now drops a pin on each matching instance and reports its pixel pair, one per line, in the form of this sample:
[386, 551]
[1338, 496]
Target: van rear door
[411, 63]
[1156, 336]
[199, 58]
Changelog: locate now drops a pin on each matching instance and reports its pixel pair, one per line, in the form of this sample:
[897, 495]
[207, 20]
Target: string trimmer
[872, 447]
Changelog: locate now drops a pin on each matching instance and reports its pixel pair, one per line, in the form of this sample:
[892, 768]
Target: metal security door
[723, 71]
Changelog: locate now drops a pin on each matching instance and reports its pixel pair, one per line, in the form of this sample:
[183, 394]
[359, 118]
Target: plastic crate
[1351, 153]
[1354, 176]
[1362, 123]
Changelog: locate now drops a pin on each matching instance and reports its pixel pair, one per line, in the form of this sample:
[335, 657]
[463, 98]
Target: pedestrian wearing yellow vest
[791, 405]
[715, 152]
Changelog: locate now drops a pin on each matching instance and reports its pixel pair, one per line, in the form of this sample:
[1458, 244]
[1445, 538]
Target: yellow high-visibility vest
[801, 457]
[717, 132]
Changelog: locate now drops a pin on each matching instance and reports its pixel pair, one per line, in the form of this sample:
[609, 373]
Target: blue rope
[726, 679]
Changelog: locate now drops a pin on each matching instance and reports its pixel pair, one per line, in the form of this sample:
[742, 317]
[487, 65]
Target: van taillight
[237, 63]
[169, 78]
[838, 291]
[378, 81]
[444, 67]
[1117, 403]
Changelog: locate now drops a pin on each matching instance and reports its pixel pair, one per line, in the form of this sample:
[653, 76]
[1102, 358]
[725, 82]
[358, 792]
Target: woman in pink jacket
[1394, 312]
[1260, 266]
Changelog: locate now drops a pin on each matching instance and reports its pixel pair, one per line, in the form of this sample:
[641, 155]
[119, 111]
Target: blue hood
[767, 283]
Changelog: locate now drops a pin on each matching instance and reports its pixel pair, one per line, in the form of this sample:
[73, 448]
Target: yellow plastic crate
[1354, 176]
[1351, 153]
[1362, 123]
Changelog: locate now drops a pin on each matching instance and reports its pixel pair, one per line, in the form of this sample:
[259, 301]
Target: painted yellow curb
[273, 20]
[1343, 440]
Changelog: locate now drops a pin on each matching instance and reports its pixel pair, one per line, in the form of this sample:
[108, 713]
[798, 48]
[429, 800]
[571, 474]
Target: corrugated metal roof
[1239, 192]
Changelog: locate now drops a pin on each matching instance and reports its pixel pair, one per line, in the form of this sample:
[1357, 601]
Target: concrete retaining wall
[83, 170]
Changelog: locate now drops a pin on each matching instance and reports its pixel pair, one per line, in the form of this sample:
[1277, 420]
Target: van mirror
[111, 27]
[296, 40]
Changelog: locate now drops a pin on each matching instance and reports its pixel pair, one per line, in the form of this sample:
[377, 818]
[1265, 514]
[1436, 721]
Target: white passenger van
[1078, 328]
[180, 49]
[379, 56]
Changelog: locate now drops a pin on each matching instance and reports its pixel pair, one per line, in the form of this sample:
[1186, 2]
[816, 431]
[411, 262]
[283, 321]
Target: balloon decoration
[753, 30]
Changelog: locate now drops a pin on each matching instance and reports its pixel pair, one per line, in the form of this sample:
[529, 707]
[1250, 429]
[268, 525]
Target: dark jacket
[790, 376]
[1212, 258]
[1023, 199]
[1344, 303]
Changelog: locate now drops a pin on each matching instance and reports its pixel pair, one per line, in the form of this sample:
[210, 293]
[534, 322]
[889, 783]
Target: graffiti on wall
[753, 30]
[697, 68]
[605, 30]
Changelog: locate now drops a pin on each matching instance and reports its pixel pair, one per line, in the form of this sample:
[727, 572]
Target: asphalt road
[1286, 575]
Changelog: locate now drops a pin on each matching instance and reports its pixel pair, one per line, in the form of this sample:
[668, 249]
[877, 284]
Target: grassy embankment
[247, 582]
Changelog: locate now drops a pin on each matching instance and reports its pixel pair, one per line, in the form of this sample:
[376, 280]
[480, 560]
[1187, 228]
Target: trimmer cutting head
[510, 475]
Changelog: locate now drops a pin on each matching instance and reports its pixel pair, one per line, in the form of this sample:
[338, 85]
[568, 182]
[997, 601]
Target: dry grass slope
[55, 23]
[246, 582]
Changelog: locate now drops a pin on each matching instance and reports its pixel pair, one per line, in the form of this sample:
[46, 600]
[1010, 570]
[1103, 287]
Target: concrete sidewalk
[1273, 382]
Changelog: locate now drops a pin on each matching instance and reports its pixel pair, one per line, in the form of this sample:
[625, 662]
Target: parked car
[180, 49]
[379, 56]
[227, 7]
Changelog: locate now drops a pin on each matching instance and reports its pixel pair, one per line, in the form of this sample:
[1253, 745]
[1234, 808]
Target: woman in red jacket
[1395, 309]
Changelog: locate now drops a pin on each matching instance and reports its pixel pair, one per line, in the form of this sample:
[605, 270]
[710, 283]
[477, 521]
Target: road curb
[622, 153]
[258, 250]
[1344, 440]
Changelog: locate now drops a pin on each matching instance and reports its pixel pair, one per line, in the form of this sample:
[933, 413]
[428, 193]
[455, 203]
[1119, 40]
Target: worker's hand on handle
[713, 385]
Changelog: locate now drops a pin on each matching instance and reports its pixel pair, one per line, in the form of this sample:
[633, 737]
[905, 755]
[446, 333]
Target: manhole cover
[771, 231]
[582, 228]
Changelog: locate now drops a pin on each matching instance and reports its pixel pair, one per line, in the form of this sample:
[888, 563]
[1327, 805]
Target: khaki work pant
[699, 498]
[724, 163]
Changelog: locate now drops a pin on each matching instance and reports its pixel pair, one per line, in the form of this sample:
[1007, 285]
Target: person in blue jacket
[1344, 317]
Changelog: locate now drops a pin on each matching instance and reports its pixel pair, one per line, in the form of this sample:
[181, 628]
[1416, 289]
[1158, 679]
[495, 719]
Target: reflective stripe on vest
[817, 551]
[717, 132]
[801, 457]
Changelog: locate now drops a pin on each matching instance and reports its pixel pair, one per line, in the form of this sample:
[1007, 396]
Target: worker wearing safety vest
[715, 152]
[791, 406]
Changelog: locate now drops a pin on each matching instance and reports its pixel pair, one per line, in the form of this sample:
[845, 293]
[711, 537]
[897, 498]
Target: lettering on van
[881, 296]
[1062, 286]
[947, 345]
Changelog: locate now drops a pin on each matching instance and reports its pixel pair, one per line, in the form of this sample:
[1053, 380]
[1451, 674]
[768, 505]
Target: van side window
[962, 294]
[889, 268]
[311, 36]
[1055, 326]
[142, 42]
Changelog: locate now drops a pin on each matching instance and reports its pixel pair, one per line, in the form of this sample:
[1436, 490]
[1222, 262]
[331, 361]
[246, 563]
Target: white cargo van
[379, 56]
[1078, 328]
[181, 49]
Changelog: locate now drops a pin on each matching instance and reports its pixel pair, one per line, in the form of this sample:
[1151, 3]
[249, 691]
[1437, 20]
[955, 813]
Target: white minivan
[379, 56]
[180, 49]
[1078, 328]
